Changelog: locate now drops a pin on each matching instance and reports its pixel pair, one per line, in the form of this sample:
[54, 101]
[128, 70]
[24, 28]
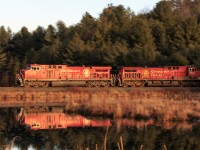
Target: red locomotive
[38, 121]
[159, 76]
[36, 75]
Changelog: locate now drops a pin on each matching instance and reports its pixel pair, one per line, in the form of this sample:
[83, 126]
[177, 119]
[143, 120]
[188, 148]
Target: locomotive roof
[148, 67]
[65, 66]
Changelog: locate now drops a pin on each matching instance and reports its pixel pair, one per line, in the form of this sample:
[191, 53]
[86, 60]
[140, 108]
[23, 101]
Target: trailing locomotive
[159, 76]
[36, 75]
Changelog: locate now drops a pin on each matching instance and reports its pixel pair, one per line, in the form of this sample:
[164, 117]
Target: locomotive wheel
[181, 84]
[133, 85]
[97, 84]
[88, 84]
[139, 84]
[26, 84]
[106, 84]
[36, 84]
[43, 109]
[40, 84]
[43, 84]
[125, 84]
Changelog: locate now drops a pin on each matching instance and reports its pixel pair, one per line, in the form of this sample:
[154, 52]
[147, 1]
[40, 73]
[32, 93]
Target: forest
[167, 35]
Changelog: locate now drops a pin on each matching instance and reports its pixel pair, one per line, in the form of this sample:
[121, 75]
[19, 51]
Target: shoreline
[159, 103]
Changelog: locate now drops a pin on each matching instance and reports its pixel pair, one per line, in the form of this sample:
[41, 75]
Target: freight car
[36, 75]
[47, 120]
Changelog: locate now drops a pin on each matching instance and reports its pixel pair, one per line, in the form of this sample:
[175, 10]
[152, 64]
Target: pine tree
[4, 44]
[143, 50]
[71, 55]
[2, 58]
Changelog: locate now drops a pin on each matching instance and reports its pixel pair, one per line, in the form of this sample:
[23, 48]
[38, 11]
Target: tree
[143, 49]
[164, 12]
[2, 58]
[159, 32]
[115, 21]
[22, 43]
[185, 38]
[87, 27]
[62, 30]
[38, 38]
[71, 55]
[4, 44]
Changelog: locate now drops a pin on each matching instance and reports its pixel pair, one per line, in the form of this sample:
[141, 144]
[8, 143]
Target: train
[44, 75]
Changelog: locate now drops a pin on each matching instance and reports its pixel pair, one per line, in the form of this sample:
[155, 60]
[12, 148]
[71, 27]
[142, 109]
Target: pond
[61, 131]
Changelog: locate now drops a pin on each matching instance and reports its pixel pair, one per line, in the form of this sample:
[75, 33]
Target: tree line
[167, 35]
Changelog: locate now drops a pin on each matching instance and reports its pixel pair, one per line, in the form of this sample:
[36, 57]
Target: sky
[33, 13]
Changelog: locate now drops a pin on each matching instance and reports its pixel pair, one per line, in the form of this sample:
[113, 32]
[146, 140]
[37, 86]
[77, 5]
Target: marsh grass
[161, 110]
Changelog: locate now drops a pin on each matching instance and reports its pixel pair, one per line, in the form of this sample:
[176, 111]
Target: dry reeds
[164, 147]
[105, 138]
[121, 144]
[159, 106]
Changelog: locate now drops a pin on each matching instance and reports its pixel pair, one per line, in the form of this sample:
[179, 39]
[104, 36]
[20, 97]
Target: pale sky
[33, 13]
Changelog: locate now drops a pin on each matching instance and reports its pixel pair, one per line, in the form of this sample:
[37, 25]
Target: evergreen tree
[38, 38]
[73, 50]
[87, 27]
[62, 30]
[4, 44]
[50, 35]
[164, 12]
[143, 50]
[2, 58]
[22, 44]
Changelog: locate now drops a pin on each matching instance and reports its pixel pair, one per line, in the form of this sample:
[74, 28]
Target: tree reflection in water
[148, 134]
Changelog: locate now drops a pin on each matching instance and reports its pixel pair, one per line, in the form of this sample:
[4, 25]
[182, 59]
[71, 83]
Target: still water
[60, 131]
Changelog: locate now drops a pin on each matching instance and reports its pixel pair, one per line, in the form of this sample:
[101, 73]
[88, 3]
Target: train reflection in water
[60, 120]
[53, 120]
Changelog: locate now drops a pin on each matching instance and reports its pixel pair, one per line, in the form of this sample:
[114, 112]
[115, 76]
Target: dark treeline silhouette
[167, 35]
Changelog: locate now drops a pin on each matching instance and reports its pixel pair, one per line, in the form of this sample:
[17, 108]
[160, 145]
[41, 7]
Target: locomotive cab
[193, 73]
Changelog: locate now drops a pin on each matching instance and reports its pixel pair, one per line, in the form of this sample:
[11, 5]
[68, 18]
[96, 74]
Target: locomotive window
[101, 70]
[59, 67]
[38, 68]
[130, 70]
[28, 67]
[192, 69]
[175, 68]
[33, 68]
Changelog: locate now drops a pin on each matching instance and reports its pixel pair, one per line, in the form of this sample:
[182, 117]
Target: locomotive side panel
[61, 75]
[149, 76]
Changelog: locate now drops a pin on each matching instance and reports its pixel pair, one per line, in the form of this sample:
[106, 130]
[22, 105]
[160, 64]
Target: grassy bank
[158, 109]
